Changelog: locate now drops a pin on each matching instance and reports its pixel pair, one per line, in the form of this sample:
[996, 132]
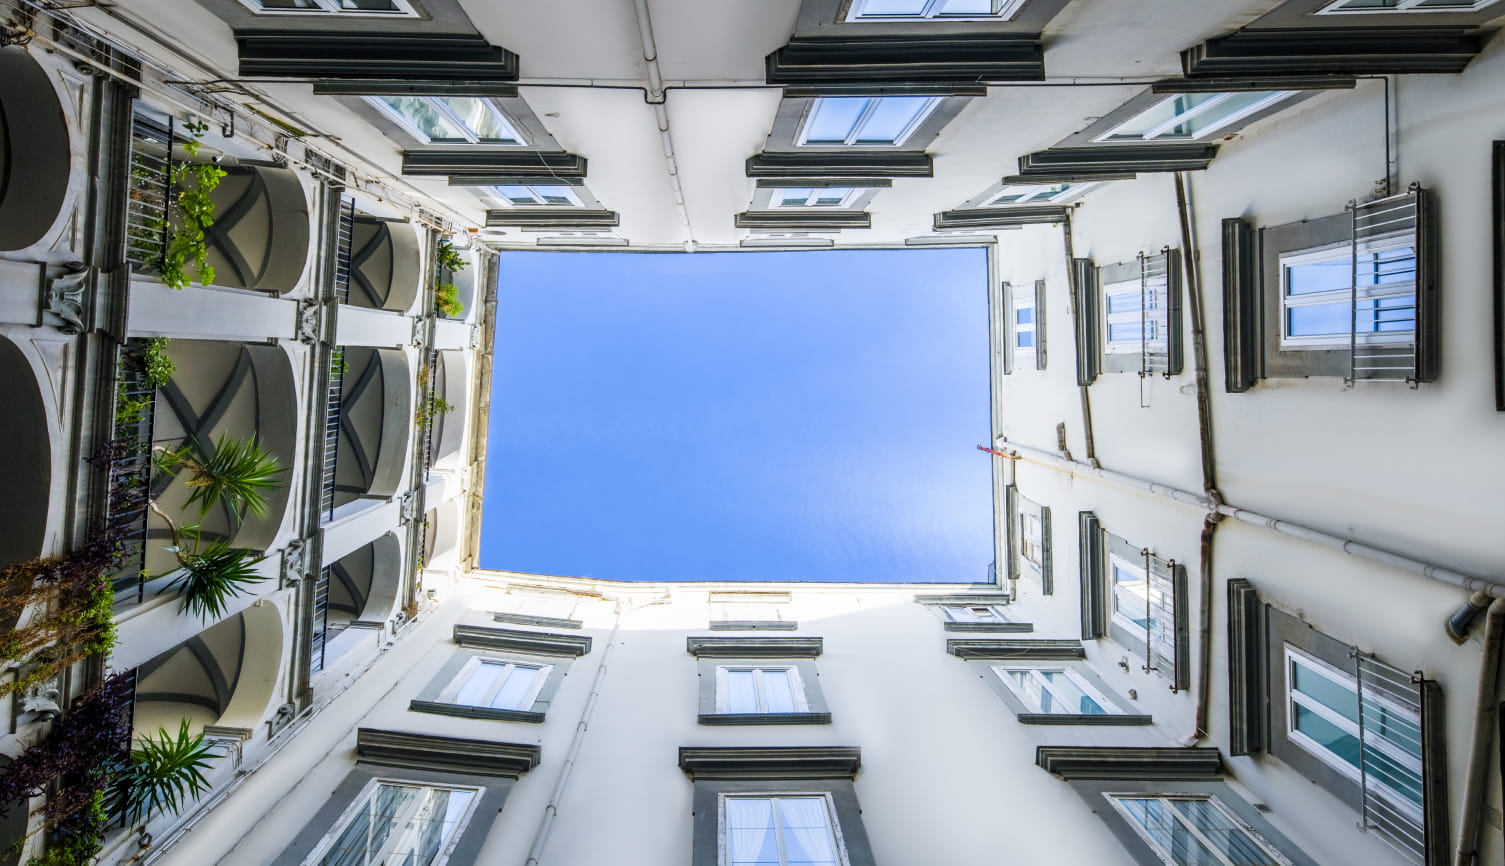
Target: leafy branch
[186, 239]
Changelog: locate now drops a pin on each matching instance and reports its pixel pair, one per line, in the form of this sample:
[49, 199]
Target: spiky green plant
[447, 300]
[213, 575]
[165, 773]
[236, 473]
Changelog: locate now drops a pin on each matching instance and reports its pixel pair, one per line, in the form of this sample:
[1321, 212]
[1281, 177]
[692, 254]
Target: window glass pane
[1030, 690]
[1159, 114]
[482, 120]
[1125, 302]
[807, 831]
[517, 687]
[369, 5]
[1155, 818]
[517, 194]
[832, 197]
[1222, 833]
[405, 824]
[1320, 276]
[741, 693]
[794, 197]
[1370, 4]
[1121, 332]
[893, 7]
[481, 682]
[1318, 320]
[1024, 315]
[892, 118]
[558, 195]
[750, 832]
[1194, 127]
[1340, 743]
[778, 691]
[966, 7]
[420, 112]
[1383, 267]
[1067, 696]
[834, 119]
[1025, 339]
[1322, 689]
[288, 4]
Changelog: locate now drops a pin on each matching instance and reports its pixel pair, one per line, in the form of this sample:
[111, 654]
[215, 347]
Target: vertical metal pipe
[1486, 708]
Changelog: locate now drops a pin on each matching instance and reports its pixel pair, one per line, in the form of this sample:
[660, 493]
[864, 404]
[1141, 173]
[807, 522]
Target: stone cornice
[718, 647]
[427, 752]
[1086, 762]
[733, 764]
[537, 642]
[1016, 650]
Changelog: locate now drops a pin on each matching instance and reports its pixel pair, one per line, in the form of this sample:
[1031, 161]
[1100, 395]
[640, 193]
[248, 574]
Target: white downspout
[658, 99]
[1485, 707]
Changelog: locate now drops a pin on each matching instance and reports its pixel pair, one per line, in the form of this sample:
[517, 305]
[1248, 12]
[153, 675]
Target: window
[910, 10]
[1141, 315]
[1029, 540]
[1058, 193]
[786, 830]
[1373, 7]
[331, 7]
[1054, 691]
[802, 197]
[531, 196]
[1383, 742]
[1191, 830]
[1144, 606]
[449, 119]
[976, 613]
[397, 822]
[1192, 116]
[500, 685]
[1320, 308]
[760, 689]
[878, 121]
[1024, 330]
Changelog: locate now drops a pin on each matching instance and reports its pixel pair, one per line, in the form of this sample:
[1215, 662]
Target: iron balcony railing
[149, 197]
[320, 622]
[1382, 334]
[344, 240]
[432, 417]
[129, 469]
[334, 395]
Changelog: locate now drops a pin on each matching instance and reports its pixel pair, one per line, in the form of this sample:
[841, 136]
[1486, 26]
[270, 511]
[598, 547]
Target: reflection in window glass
[1191, 116]
[1194, 831]
[760, 689]
[1319, 304]
[1055, 691]
[501, 685]
[779, 831]
[864, 120]
[394, 823]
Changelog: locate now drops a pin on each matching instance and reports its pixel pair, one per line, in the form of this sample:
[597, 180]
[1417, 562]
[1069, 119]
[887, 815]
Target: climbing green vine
[187, 249]
[446, 295]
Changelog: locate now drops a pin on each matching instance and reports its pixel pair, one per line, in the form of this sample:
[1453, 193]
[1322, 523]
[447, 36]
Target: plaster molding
[770, 763]
[1016, 650]
[427, 752]
[1157, 763]
[716, 647]
[540, 643]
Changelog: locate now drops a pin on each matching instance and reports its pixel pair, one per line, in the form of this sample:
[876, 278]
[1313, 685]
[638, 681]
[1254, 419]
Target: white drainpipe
[657, 98]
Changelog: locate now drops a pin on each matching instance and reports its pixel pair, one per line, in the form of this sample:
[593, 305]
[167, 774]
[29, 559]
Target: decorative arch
[25, 459]
[219, 389]
[35, 152]
[384, 264]
[259, 239]
[442, 538]
[376, 415]
[452, 384]
[224, 676]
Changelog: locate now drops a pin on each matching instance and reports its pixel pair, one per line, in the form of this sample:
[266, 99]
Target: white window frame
[538, 199]
[778, 202]
[473, 667]
[1110, 706]
[368, 791]
[1344, 680]
[1003, 10]
[1154, 132]
[1117, 798]
[724, 836]
[969, 613]
[1343, 252]
[723, 690]
[1136, 316]
[1032, 538]
[1040, 193]
[470, 136]
[332, 7]
[1023, 356]
[852, 139]
[1405, 7]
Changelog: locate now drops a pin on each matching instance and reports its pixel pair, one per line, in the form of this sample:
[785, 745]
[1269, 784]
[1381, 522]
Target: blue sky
[741, 416]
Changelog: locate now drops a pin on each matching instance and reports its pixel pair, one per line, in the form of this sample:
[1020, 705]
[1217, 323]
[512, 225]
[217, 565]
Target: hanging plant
[431, 407]
[187, 247]
[449, 258]
[447, 300]
[70, 602]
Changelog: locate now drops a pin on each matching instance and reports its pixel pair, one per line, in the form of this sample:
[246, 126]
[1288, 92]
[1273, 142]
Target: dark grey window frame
[795, 652]
[826, 770]
[1011, 323]
[1119, 362]
[429, 699]
[1498, 207]
[794, 109]
[1097, 546]
[1125, 717]
[1088, 331]
[403, 757]
[1252, 299]
[1017, 504]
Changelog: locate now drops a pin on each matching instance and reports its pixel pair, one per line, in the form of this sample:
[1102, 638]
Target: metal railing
[344, 241]
[320, 622]
[1371, 317]
[1154, 315]
[333, 398]
[129, 469]
[1391, 756]
[149, 196]
[431, 417]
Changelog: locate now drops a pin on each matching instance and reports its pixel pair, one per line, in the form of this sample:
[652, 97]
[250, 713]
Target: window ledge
[1083, 719]
[753, 625]
[765, 718]
[463, 711]
[540, 621]
[1011, 627]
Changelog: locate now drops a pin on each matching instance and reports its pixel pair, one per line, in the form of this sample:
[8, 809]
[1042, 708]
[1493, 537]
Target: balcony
[25, 458]
[35, 152]
[384, 264]
[224, 676]
[375, 415]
